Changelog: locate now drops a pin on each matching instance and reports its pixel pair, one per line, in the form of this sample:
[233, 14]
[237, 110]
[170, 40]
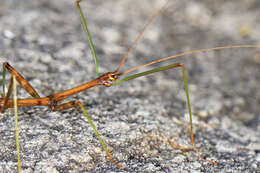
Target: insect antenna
[188, 53]
[157, 13]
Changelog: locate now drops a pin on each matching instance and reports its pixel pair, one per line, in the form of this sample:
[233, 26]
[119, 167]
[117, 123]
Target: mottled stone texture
[44, 41]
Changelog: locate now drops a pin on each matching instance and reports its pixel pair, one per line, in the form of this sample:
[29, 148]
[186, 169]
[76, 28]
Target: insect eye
[112, 77]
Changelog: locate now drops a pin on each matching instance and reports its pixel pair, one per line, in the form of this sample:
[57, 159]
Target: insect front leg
[177, 65]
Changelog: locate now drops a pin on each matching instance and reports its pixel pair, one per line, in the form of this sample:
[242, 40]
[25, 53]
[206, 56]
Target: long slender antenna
[157, 13]
[189, 53]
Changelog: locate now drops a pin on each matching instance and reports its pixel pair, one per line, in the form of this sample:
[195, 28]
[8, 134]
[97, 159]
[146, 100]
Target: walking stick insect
[109, 79]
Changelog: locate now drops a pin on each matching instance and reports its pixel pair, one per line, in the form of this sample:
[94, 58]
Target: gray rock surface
[45, 42]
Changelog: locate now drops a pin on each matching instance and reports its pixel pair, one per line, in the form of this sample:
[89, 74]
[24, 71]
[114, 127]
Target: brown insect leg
[201, 158]
[22, 81]
[63, 106]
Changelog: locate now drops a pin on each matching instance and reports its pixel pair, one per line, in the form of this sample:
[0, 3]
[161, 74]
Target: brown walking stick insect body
[107, 80]
[54, 99]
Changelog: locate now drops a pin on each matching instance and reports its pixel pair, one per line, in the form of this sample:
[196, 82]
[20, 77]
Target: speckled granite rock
[44, 41]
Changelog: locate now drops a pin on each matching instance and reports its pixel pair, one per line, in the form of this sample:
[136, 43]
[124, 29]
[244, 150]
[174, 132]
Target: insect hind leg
[20, 79]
